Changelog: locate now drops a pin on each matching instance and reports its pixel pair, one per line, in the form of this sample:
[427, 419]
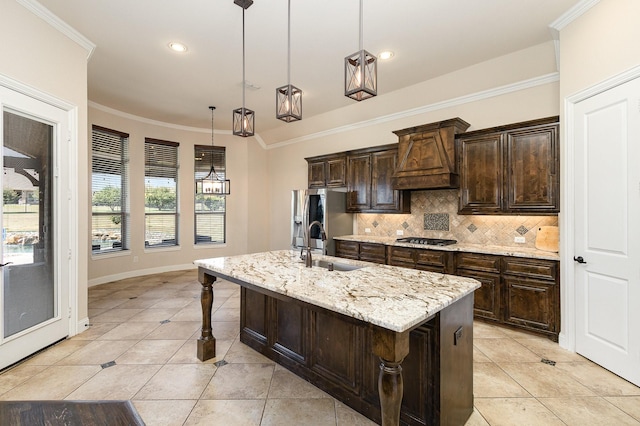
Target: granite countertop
[472, 248]
[391, 297]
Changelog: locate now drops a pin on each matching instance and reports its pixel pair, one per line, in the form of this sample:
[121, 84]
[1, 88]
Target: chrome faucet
[323, 236]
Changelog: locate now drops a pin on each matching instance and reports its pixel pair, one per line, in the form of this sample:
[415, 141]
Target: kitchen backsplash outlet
[438, 209]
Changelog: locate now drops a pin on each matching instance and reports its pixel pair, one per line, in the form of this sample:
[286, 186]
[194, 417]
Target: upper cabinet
[328, 171]
[369, 190]
[511, 169]
[427, 156]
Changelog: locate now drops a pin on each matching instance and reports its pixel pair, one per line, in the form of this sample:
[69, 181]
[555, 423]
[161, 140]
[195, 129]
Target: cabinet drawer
[402, 256]
[434, 260]
[533, 268]
[478, 262]
[373, 252]
[347, 249]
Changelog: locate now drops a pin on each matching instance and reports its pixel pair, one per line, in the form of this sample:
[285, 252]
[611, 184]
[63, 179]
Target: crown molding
[572, 14]
[473, 97]
[46, 15]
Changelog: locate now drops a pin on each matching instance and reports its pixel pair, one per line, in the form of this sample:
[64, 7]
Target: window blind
[210, 209]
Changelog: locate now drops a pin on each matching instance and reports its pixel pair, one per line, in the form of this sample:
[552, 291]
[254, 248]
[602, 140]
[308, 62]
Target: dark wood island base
[418, 377]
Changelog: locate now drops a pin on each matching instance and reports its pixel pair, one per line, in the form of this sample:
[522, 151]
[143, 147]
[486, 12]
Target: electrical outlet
[399, 232]
[520, 240]
[367, 230]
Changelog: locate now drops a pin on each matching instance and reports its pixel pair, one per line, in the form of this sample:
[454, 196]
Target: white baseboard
[139, 273]
[82, 325]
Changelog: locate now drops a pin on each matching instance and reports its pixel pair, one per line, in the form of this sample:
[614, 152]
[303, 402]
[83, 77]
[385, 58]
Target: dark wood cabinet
[424, 260]
[518, 292]
[327, 171]
[369, 189]
[511, 169]
[369, 252]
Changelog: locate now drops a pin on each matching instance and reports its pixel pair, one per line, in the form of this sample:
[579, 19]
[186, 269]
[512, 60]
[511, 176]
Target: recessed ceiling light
[178, 47]
[387, 54]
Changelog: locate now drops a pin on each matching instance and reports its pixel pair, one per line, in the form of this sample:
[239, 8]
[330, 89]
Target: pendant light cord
[244, 81]
[361, 25]
[289, 45]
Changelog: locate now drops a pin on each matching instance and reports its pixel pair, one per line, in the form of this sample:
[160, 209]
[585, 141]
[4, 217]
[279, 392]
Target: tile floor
[149, 326]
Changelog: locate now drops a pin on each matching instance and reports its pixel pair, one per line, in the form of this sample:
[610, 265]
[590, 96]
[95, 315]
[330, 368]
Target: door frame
[72, 168]
[567, 337]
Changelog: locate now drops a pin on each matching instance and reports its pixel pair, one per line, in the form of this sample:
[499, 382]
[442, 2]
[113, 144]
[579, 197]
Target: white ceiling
[134, 71]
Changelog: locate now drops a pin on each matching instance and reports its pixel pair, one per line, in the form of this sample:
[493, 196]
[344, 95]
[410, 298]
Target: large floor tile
[542, 380]
[17, 375]
[240, 381]
[582, 411]
[95, 331]
[130, 331]
[483, 330]
[516, 411]
[316, 411]
[346, 416]
[628, 404]
[98, 352]
[165, 413]
[178, 381]
[476, 419]
[154, 315]
[285, 384]
[246, 412]
[116, 382]
[57, 352]
[187, 354]
[115, 315]
[505, 350]
[547, 349]
[242, 354]
[55, 382]
[150, 352]
[178, 330]
[599, 380]
[490, 381]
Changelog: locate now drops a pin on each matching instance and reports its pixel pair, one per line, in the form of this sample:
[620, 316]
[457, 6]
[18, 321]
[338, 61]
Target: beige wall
[246, 167]
[435, 100]
[36, 54]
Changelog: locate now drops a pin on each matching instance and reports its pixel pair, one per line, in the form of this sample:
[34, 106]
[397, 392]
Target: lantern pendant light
[212, 183]
[360, 72]
[243, 118]
[288, 98]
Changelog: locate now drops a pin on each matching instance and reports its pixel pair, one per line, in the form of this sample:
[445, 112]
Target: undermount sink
[334, 266]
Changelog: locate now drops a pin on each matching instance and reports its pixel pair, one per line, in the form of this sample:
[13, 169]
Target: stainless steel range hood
[427, 156]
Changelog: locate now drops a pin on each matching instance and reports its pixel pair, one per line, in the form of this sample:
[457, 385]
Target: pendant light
[288, 98]
[360, 72]
[243, 118]
[212, 183]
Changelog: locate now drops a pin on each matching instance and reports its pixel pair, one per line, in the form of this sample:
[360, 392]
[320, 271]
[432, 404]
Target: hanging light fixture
[288, 98]
[360, 72]
[212, 183]
[243, 118]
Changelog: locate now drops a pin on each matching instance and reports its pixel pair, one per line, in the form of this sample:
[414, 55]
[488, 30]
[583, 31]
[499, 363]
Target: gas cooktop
[426, 241]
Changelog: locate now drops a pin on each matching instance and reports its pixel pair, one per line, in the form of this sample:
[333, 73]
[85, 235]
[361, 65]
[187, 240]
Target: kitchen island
[335, 328]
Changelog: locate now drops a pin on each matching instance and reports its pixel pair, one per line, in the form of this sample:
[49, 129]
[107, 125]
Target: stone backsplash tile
[492, 230]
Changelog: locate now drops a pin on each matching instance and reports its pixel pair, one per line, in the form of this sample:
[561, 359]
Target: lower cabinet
[369, 252]
[518, 292]
[334, 352]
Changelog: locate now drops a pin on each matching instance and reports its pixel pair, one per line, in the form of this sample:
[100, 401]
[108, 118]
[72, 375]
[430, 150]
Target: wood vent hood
[427, 156]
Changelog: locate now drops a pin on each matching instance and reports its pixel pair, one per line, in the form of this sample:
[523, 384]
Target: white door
[607, 229]
[34, 288]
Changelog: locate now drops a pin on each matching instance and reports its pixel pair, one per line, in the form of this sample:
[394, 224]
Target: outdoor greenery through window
[160, 193]
[109, 189]
[209, 209]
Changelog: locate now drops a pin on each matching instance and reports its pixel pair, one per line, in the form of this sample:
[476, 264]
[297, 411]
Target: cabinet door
[383, 165]
[359, 183]
[530, 303]
[481, 177]
[336, 172]
[434, 261]
[532, 170]
[402, 256]
[316, 174]
[486, 302]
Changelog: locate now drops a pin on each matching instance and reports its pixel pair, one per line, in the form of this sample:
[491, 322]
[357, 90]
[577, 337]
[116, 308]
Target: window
[109, 190]
[160, 193]
[210, 210]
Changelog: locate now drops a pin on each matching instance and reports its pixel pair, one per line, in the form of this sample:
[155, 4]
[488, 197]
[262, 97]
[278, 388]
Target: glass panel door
[27, 250]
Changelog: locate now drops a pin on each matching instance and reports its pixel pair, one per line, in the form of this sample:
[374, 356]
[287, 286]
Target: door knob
[5, 264]
[579, 259]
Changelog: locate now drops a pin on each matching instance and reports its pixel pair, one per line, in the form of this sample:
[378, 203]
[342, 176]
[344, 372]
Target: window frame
[221, 170]
[175, 242]
[124, 165]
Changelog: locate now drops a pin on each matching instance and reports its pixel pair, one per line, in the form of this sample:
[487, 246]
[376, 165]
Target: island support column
[392, 348]
[206, 342]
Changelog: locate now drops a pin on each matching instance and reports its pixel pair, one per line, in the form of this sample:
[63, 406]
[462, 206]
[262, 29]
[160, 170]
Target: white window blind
[210, 210]
[161, 193]
[109, 189]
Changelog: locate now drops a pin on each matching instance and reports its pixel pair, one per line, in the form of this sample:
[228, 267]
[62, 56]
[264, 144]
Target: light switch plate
[399, 232]
[367, 230]
[520, 240]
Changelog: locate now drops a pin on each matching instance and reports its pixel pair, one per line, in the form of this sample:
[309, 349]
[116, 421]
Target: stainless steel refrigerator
[328, 207]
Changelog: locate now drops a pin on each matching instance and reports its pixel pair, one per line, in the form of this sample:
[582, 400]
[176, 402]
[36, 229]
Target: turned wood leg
[392, 348]
[206, 342]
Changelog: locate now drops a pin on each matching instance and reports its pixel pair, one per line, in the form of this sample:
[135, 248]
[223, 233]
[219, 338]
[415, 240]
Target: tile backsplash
[434, 214]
